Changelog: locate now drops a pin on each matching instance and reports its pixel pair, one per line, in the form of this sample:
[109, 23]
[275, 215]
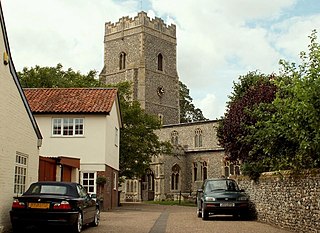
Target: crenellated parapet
[142, 19]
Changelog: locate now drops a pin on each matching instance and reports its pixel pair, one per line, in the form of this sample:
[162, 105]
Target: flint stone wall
[286, 199]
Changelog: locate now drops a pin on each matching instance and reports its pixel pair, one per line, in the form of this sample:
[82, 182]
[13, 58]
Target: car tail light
[64, 205]
[16, 204]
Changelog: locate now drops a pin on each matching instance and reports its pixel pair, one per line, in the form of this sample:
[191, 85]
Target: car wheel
[77, 227]
[17, 228]
[204, 213]
[199, 213]
[244, 215]
[235, 215]
[96, 219]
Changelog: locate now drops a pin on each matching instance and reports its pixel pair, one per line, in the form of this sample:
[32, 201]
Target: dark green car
[221, 196]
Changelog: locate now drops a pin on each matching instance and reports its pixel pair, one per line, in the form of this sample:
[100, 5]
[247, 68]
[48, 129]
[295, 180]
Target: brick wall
[107, 191]
[286, 199]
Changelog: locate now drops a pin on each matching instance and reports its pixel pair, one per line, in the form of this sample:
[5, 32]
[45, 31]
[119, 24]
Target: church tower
[143, 51]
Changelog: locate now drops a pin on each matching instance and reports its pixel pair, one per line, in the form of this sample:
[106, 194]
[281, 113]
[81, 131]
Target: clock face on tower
[160, 91]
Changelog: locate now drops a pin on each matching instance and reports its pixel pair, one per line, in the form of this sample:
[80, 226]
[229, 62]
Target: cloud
[291, 36]
[209, 106]
[220, 40]
[61, 31]
[217, 41]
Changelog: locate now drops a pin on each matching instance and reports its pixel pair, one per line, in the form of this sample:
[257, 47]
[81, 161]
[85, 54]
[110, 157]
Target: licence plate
[227, 204]
[39, 205]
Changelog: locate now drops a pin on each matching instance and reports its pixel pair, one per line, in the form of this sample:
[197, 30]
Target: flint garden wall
[286, 199]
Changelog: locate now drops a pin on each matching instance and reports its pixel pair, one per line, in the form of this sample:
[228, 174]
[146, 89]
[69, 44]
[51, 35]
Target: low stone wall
[286, 199]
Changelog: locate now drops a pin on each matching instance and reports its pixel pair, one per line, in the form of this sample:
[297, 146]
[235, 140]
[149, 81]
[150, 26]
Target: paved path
[144, 218]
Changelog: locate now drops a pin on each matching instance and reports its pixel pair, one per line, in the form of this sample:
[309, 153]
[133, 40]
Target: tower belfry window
[122, 61]
[160, 62]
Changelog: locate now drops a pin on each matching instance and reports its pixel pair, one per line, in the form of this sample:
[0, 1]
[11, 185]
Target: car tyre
[77, 227]
[17, 228]
[204, 213]
[199, 214]
[96, 218]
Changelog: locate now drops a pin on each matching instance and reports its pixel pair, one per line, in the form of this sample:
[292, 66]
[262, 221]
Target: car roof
[71, 186]
[212, 179]
[56, 182]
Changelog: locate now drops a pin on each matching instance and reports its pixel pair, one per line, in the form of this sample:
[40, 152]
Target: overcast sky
[217, 40]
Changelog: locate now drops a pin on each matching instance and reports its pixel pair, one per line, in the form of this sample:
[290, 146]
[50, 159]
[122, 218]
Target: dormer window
[122, 61]
[160, 62]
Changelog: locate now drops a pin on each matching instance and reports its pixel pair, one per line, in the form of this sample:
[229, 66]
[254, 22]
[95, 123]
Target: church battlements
[142, 19]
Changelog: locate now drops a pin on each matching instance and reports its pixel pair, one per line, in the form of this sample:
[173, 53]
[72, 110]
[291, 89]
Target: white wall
[95, 149]
[16, 134]
[89, 148]
[112, 150]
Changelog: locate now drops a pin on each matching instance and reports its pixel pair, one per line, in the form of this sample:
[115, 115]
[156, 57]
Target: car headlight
[244, 198]
[210, 199]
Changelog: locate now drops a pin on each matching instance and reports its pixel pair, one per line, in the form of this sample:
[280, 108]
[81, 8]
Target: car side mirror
[199, 191]
[242, 190]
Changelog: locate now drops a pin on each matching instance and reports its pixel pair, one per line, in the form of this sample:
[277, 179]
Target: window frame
[174, 137]
[88, 186]
[160, 62]
[115, 181]
[67, 127]
[122, 61]
[175, 177]
[116, 137]
[232, 168]
[198, 138]
[20, 173]
[195, 171]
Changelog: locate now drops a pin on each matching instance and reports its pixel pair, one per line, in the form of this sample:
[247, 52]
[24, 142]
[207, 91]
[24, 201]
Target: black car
[64, 204]
[221, 196]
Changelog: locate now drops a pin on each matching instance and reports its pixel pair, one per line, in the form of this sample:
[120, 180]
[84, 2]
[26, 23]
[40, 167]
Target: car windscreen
[48, 189]
[215, 185]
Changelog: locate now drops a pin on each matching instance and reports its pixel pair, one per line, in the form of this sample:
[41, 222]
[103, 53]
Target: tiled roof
[70, 100]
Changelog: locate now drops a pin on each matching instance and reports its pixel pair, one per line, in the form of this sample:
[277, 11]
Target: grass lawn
[182, 203]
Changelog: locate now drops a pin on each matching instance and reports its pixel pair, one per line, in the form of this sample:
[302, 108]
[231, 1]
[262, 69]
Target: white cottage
[20, 137]
[82, 123]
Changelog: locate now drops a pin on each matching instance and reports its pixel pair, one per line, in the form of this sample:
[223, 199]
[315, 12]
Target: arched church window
[122, 61]
[160, 62]
[205, 170]
[175, 176]
[195, 171]
[174, 138]
[198, 138]
[231, 168]
[150, 179]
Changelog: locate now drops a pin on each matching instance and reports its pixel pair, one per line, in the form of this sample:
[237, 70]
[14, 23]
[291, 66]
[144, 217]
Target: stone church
[143, 51]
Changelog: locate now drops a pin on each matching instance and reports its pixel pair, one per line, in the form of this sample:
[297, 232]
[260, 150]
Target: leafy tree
[188, 112]
[293, 127]
[38, 77]
[252, 90]
[275, 124]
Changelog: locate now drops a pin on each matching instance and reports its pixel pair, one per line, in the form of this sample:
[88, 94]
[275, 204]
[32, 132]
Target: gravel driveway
[144, 218]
